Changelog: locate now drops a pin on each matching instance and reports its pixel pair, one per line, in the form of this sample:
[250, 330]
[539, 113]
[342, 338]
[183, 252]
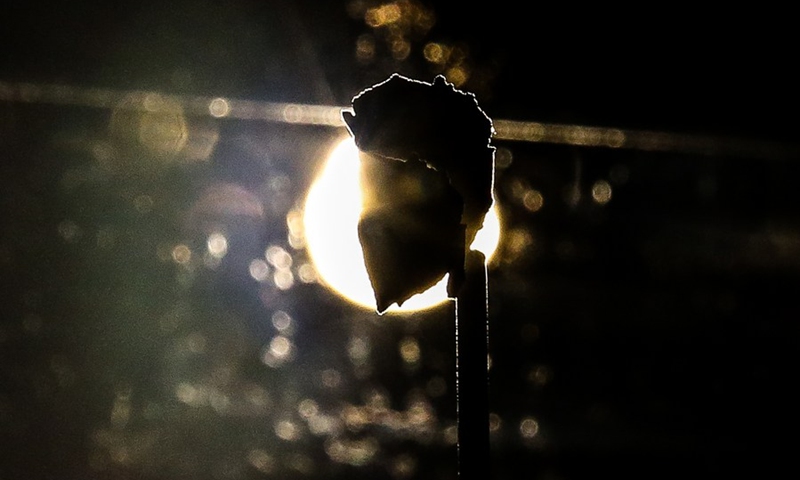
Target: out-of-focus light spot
[69, 230]
[458, 54]
[365, 48]
[424, 19]
[257, 396]
[219, 401]
[495, 422]
[528, 428]
[420, 413]
[296, 241]
[181, 254]
[503, 158]
[401, 48]
[355, 418]
[226, 200]
[217, 245]
[278, 257]
[187, 393]
[378, 401]
[280, 347]
[279, 183]
[155, 121]
[143, 203]
[540, 375]
[294, 222]
[450, 435]
[259, 270]
[307, 273]
[382, 15]
[307, 408]
[287, 430]
[457, 75]
[358, 350]
[309, 114]
[409, 350]
[284, 279]
[601, 192]
[281, 320]
[219, 108]
[292, 113]
[331, 214]
[261, 460]
[196, 342]
[331, 378]
[518, 187]
[403, 466]
[351, 452]
[435, 53]
[519, 241]
[323, 424]
[533, 200]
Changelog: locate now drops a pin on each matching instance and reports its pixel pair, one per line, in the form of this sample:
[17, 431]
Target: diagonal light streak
[330, 116]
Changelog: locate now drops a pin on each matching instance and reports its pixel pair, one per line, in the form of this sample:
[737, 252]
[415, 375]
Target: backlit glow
[331, 214]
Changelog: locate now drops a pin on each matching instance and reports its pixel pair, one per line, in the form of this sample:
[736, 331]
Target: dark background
[652, 335]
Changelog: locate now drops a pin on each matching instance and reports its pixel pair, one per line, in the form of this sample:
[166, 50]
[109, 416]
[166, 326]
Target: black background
[664, 321]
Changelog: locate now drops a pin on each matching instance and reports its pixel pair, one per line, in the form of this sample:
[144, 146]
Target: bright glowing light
[281, 320]
[259, 270]
[409, 350]
[331, 214]
[217, 245]
[280, 347]
[181, 254]
[601, 192]
[219, 108]
[284, 279]
[533, 200]
[528, 427]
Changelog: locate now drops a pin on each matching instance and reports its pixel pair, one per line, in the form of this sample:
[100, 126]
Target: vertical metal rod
[472, 375]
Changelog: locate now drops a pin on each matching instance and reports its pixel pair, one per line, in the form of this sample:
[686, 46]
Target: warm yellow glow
[601, 192]
[435, 53]
[457, 75]
[331, 214]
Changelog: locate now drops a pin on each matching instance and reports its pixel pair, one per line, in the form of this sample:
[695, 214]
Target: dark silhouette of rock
[427, 168]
